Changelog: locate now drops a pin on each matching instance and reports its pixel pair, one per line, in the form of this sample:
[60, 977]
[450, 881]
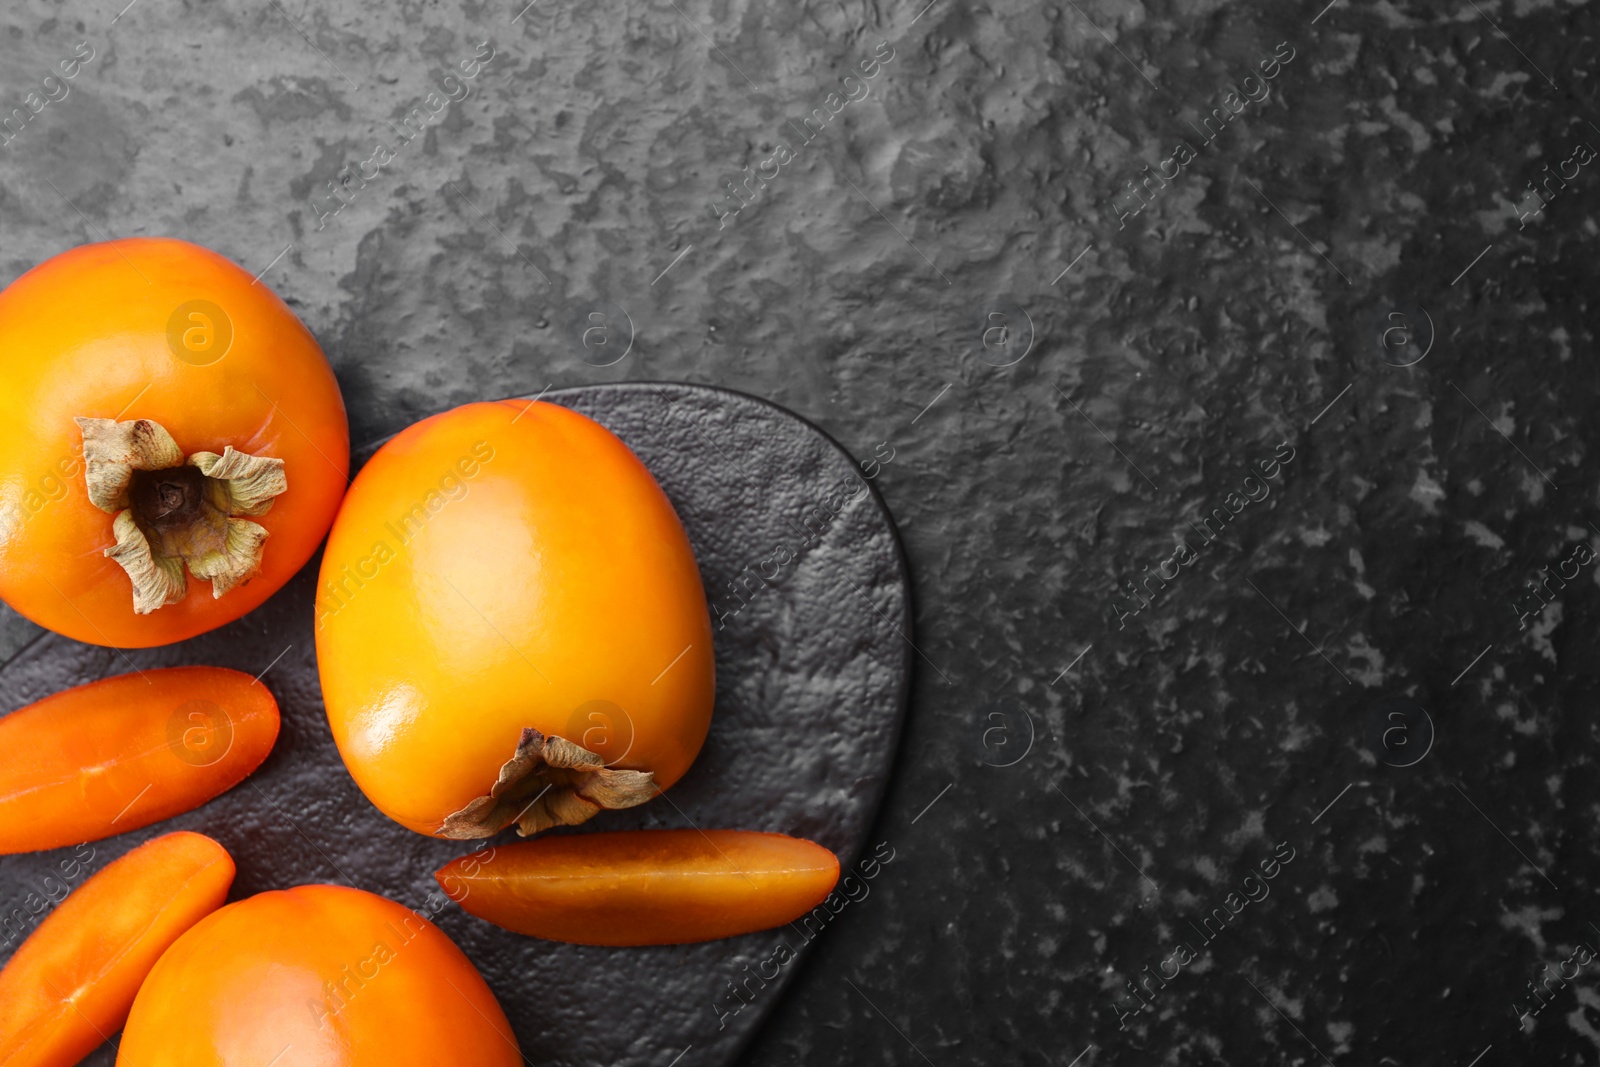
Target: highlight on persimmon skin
[127, 751]
[644, 887]
[71, 983]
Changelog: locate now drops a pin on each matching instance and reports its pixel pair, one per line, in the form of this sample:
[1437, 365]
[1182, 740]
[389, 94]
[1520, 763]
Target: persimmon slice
[69, 986]
[643, 887]
[128, 751]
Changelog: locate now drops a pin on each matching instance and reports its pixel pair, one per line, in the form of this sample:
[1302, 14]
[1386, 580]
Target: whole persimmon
[318, 975]
[173, 444]
[510, 625]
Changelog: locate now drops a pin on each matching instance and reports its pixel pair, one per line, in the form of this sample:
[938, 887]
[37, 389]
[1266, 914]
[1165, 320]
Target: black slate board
[812, 679]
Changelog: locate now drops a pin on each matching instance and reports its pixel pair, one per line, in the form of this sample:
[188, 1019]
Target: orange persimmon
[124, 752]
[511, 625]
[644, 887]
[343, 977]
[70, 984]
[171, 432]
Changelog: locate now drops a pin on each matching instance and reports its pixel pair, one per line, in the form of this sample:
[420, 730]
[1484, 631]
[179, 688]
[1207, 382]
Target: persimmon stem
[172, 511]
[549, 781]
[167, 499]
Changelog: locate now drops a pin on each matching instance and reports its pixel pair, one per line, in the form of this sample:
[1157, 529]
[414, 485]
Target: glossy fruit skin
[343, 977]
[101, 943]
[644, 887]
[127, 751]
[498, 566]
[87, 333]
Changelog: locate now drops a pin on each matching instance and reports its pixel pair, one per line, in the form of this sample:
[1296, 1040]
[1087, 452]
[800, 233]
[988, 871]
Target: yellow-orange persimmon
[124, 752]
[511, 625]
[340, 976]
[70, 984]
[644, 887]
[158, 404]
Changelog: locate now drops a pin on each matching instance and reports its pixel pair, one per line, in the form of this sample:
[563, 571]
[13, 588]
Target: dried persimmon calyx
[174, 512]
[549, 781]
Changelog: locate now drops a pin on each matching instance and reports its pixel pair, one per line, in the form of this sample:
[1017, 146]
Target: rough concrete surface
[1375, 262]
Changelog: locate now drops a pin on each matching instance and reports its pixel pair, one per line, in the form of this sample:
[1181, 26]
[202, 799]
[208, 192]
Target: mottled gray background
[1143, 369]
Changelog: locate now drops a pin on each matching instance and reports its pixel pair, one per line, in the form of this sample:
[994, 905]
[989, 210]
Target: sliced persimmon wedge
[69, 986]
[643, 887]
[124, 752]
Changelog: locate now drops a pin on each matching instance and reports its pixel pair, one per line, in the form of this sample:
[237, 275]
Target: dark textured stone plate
[804, 571]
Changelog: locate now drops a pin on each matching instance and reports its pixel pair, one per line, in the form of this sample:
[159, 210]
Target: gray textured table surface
[1334, 264]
